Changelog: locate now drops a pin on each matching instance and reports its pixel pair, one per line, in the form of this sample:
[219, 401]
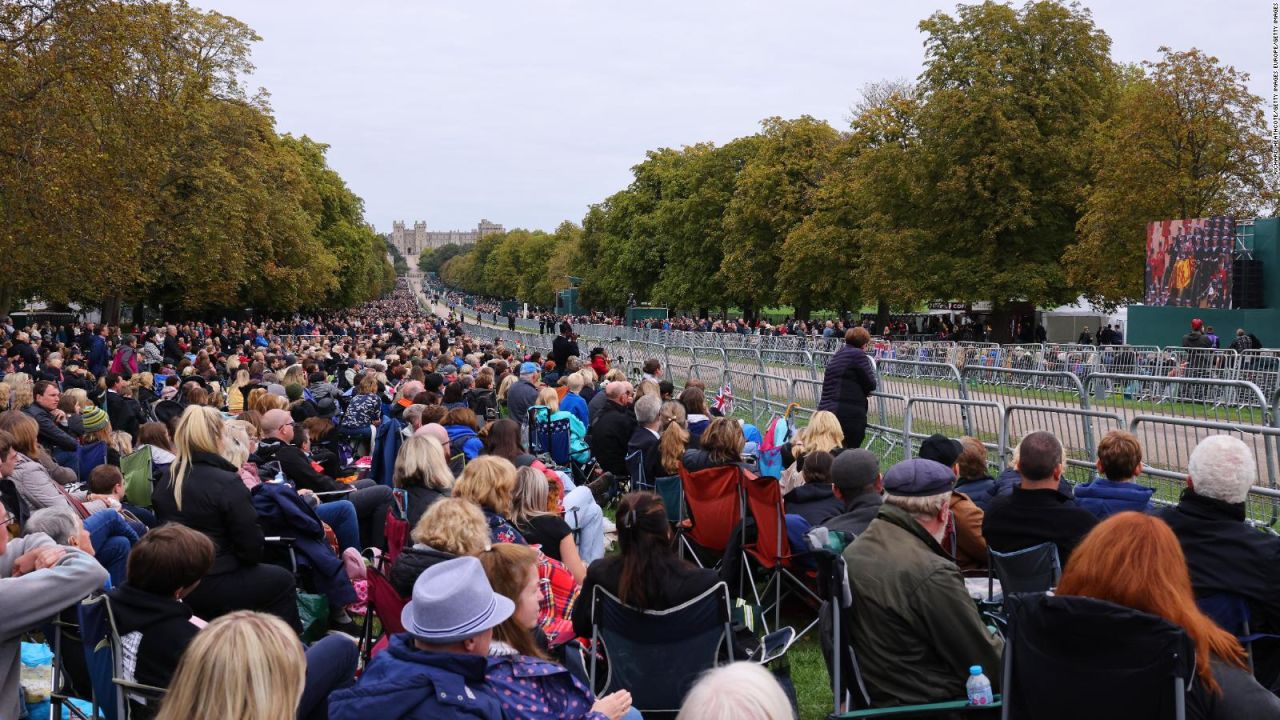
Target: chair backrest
[671, 490]
[764, 501]
[136, 468]
[714, 498]
[397, 533]
[558, 441]
[539, 438]
[1229, 611]
[90, 457]
[635, 468]
[386, 602]
[1073, 657]
[659, 654]
[1033, 569]
[104, 655]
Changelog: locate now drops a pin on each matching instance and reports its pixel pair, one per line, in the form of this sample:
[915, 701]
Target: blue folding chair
[1231, 612]
[118, 697]
[635, 468]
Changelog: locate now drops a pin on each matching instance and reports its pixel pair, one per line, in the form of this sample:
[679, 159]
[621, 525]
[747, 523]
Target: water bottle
[978, 687]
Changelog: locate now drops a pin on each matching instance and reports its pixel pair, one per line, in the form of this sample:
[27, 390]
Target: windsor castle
[416, 240]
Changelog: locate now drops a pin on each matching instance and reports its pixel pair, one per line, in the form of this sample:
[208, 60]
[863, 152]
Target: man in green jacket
[915, 627]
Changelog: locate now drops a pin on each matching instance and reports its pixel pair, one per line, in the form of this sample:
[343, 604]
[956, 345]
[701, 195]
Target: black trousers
[855, 429]
[261, 587]
[372, 501]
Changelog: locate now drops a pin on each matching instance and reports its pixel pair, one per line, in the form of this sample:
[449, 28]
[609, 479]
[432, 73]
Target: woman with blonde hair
[449, 528]
[505, 386]
[243, 665]
[579, 451]
[23, 390]
[205, 493]
[1133, 559]
[235, 394]
[239, 442]
[675, 440]
[520, 670]
[543, 528]
[489, 481]
[822, 434]
[421, 469]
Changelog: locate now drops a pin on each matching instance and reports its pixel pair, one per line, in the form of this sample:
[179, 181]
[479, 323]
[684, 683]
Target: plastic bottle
[978, 687]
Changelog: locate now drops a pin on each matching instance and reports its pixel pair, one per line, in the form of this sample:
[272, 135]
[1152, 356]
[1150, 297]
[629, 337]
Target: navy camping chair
[659, 654]
[635, 469]
[118, 697]
[1074, 657]
[1231, 612]
[1033, 569]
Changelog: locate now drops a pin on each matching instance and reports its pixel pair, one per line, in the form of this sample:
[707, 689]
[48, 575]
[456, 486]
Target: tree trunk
[6, 298]
[111, 310]
[803, 311]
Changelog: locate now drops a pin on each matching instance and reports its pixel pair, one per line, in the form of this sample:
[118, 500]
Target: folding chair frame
[117, 666]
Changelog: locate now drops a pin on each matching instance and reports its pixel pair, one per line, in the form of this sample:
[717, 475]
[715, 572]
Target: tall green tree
[1186, 140]
[1011, 95]
[774, 192]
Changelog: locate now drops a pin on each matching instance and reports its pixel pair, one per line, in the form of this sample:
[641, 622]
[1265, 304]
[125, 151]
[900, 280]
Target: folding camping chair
[716, 505]
[771, 549]
[118, 697]
[659, 654]
[1135, 666]
[635, 469]
[397, 528]
[848, 685]
[136, 468]
[1033, 569]
[386, 603]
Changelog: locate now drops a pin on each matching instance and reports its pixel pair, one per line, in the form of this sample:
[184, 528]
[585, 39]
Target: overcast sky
[525, 113]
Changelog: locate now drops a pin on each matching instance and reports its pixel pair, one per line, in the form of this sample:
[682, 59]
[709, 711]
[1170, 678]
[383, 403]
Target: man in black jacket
[609, 435]
[124, 411]
[645, 437]
[58, 433]
[1036, 512]
[859, 483]
[564, 347]
[1224, 554]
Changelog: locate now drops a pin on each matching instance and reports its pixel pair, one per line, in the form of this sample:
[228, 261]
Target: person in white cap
[436, 668]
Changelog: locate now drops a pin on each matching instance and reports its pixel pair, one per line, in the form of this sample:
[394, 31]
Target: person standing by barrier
[848, 380]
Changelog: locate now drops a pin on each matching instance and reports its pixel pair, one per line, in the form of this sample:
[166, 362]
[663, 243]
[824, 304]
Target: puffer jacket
[980, 490]
[412, 562]
[1105, 498]
[411, 684]
[815, 503]
[846, 383]
[534, 689]
[464, 439]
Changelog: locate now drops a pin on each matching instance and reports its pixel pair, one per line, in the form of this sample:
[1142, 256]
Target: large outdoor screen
[1189, 262]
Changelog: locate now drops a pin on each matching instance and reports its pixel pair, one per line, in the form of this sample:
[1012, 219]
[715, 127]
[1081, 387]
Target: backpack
[777, 435]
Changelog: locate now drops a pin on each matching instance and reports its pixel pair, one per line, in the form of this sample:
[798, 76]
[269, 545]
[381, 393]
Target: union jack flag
[724, 400]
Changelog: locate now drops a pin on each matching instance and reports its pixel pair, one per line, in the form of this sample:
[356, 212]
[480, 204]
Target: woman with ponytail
[205, 493]
[646, 573]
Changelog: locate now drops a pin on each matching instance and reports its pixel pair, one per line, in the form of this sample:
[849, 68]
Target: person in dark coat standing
[848, 380]
[564, 347]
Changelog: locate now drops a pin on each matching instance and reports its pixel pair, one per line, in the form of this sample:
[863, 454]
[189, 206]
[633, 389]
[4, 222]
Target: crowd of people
[385, 439]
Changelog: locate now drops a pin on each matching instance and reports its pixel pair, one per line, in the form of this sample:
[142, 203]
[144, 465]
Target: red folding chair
[397, 526]
[715, 502]
[386, 604]
[770, 549]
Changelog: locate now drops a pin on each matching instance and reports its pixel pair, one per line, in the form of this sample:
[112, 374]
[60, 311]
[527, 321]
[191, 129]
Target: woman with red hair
[1134, 560]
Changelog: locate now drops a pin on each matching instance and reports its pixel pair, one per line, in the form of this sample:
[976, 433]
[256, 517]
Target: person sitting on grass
[1119, 462]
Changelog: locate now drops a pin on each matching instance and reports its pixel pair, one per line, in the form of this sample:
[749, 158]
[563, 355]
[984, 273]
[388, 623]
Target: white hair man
[916, 628]
[1224, 554]
[644, 439]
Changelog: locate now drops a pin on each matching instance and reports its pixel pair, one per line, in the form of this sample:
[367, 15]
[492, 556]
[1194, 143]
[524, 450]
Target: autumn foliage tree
[134, 166]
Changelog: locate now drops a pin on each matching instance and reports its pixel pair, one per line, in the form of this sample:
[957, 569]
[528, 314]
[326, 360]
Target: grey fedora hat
[453, 601]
